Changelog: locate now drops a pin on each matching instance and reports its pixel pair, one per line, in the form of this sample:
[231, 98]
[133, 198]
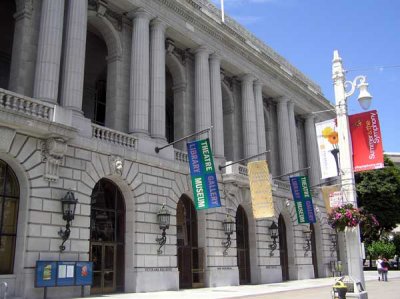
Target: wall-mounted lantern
[307, 237]
[273, 232]
[333, 238]
[228, 224]
[163, 218]
[68, 203]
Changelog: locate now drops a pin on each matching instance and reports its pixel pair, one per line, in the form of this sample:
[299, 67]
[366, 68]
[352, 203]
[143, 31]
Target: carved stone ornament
[116, 165]
[53, 151]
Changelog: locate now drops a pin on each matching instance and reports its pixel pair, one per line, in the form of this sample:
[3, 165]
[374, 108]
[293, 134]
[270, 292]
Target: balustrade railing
[181, 156]
[114, 137]
[22, 104]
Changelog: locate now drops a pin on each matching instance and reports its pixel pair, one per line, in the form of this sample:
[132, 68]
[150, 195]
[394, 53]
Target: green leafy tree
[378, 192]
[381, 248]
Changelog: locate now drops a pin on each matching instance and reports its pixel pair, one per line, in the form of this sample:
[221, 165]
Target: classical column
[74, 55]
[312, 150]
[49, 51]
[216, 106]
[260, 117]
[285, 148]
[139, 83]
[202, 103]
[249, 123]
[22, 69]
[157, 79]
[293, 137]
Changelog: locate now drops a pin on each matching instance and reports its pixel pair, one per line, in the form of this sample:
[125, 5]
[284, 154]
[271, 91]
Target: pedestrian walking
[379, 267]
[385, 269]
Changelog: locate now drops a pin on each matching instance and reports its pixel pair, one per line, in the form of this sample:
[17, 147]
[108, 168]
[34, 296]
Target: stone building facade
[88, 89]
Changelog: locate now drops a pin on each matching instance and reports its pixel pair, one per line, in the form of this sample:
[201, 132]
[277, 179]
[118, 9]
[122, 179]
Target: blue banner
[302, 199]
[204, 180]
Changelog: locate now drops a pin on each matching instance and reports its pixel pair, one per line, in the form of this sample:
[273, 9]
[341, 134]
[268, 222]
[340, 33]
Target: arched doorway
[95, 82]
[7, 11]
[242, 243]
[283, 248]
[9, 201]
[190, 256]
[107, 238]
[314, 251]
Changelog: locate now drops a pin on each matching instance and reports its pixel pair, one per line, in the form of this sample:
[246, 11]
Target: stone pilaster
[157, 79]
[216, 106]
[260, 118]
[139, 81]
[49, 51]
[285, 147]
[312, 150]
[202, 103]
[249, 123]
[293, 136]
[74, 55]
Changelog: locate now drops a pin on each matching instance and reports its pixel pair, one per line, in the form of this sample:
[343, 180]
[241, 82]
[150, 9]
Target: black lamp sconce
[68, 203]
[228, 229]
[333, 238]
[163, 218]
[273, 232]
[307, 236]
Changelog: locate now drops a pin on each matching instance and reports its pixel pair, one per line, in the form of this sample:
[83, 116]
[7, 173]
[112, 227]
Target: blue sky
[365, 32]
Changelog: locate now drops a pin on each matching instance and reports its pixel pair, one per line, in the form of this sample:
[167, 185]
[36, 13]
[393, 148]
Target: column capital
[309, 116]
[257, 83]
[140, 13]
[282, 99]
[247, 78]
[158, 23]
[216, 56]
[201, 50]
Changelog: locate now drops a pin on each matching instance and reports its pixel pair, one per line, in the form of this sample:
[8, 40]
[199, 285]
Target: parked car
[394, 262]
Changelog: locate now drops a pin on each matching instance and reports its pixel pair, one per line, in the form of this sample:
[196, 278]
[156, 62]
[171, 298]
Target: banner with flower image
[327, 138]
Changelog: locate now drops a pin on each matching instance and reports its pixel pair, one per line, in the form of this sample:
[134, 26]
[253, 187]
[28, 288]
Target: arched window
[9, 199]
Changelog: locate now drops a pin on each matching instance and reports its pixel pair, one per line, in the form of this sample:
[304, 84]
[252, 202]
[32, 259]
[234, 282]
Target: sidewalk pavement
[244, 290]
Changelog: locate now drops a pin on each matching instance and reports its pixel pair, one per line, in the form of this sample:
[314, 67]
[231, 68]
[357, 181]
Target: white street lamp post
[353, 243]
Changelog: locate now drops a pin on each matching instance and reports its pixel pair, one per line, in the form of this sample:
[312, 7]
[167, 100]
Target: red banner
[367, 141]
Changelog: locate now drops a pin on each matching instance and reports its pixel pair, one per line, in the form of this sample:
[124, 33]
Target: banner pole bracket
[223, 166]
[289, 173]
[158, 149]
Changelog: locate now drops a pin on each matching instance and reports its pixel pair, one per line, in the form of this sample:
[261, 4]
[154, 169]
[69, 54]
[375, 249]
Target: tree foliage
[381, 248]
[378, 192]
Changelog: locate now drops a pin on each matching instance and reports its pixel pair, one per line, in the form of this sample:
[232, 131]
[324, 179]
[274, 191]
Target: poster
[204, 180]
[302, 199]
[260, 188]
[84, 273]
[328, 149]
[366, 141]
[46, 273]
[66, 275]
[332, 196]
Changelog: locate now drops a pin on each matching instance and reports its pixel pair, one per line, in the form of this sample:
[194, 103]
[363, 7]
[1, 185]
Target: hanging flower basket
[344, 216]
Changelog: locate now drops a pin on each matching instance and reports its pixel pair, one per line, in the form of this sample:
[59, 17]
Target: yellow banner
[332, 196]
[260, 188]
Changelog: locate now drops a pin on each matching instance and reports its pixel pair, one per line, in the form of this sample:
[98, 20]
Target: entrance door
[107, 238]
[314, 251]
[283, 251]
[242, 241]
[190, 256]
